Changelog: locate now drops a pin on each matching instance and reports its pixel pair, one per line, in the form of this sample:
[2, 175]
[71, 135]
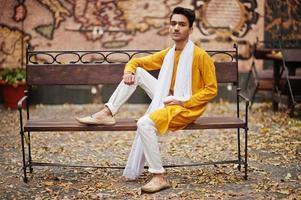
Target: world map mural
[136, 24]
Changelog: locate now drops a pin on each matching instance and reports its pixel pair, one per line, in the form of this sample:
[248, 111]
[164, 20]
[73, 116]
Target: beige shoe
[152, 187]
[90, 120]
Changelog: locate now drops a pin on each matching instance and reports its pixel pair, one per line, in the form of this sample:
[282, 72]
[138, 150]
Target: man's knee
[139, 72]
[144, 121]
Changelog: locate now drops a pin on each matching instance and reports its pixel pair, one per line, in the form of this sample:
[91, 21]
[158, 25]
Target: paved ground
[274, 147]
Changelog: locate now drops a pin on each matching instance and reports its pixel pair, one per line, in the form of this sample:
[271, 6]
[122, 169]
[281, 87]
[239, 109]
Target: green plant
[13, 76]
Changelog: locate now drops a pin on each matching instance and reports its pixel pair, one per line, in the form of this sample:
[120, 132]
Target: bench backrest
[105, 70]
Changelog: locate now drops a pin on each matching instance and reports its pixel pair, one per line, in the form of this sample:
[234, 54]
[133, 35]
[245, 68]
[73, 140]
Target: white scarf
[182, 92]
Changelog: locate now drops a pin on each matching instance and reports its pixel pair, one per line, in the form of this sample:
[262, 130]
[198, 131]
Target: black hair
[188, 13]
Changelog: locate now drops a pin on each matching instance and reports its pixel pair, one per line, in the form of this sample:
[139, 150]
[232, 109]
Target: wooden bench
[106, 67]
[291, 87]
[263, 80]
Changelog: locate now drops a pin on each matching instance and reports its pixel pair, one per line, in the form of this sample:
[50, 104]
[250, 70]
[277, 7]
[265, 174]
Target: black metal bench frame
[101, 67]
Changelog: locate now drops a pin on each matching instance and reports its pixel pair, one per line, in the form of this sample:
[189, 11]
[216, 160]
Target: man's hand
[173, 102]
[128, 78]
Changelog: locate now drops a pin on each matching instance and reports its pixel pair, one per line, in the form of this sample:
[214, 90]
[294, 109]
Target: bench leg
[23, 155]
[253, 96]
[247, 80]
[238, 149]
[246, 154]
[29, 153]
[290, 106]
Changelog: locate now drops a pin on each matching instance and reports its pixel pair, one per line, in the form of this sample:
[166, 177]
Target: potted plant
[13, 85]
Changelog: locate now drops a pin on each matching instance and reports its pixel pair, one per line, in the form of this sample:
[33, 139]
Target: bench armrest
[20, 102]
[247, 101]
[244, 98]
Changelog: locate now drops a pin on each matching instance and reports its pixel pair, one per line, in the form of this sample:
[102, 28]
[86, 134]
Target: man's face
[179, 28]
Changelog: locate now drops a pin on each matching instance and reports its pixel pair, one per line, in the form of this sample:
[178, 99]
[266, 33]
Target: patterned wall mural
[128, 24]
[283, 18]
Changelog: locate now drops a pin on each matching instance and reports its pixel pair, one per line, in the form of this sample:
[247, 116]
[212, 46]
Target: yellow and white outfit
[173, 117]
[204, 88]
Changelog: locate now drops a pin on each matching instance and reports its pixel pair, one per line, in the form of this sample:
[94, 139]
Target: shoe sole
[158, 190]
[94, 123]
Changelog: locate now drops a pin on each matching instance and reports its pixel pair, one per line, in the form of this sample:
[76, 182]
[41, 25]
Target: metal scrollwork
[64, 54]
[98, 57]
[83, 57]
[92, 53]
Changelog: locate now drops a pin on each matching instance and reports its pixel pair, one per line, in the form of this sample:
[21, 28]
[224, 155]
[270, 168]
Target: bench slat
[94, 74]
[85, 74]
[222, 70]
[127, 125]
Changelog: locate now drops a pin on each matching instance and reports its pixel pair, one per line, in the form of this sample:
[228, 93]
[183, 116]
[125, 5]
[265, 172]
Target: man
[179, 96]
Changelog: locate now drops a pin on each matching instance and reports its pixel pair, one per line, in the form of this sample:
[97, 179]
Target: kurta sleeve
[209, 90]
[151, 62]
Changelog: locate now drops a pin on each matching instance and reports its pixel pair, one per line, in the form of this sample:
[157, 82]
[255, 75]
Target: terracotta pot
[12, 94]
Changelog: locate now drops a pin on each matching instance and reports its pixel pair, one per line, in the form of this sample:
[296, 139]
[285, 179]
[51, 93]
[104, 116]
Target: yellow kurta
[204, 88]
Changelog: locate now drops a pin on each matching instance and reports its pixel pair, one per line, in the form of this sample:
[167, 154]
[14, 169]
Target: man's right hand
[128, 78]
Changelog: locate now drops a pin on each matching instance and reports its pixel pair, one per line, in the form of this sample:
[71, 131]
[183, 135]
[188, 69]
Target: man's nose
[177, 27]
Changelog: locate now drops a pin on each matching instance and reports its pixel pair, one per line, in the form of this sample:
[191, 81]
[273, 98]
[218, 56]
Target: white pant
[146, 127]
[123, 92]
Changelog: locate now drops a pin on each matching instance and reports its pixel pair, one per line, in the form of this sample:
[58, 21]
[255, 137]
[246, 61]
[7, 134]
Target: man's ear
[191, 30]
